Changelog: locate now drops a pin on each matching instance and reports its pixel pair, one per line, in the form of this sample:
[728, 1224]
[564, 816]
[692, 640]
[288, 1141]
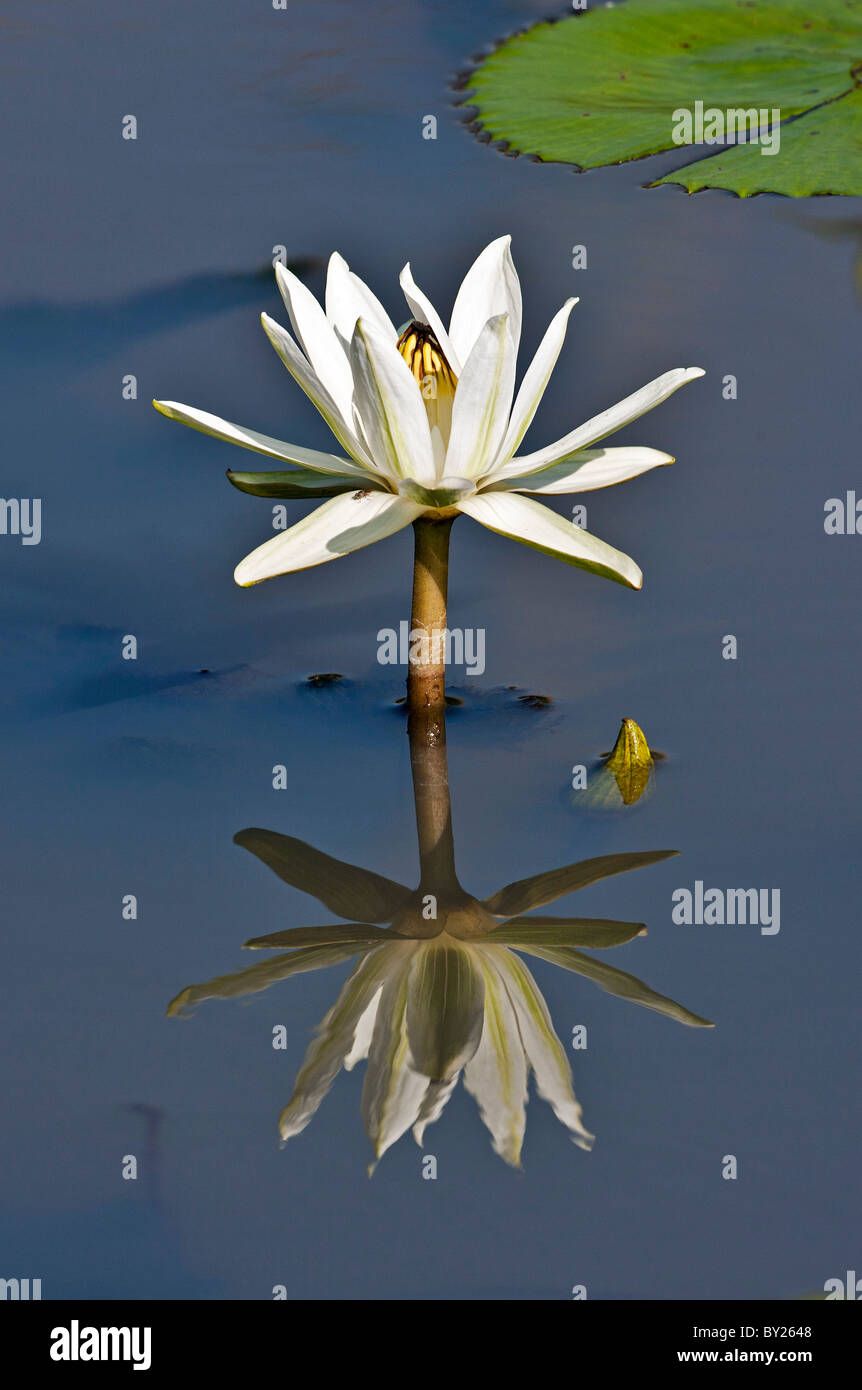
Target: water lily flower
[430, 1003]
[429, 423]
[424, 1014]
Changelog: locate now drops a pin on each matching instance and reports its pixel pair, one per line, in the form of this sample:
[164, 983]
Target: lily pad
[820, 153]
[602, 86]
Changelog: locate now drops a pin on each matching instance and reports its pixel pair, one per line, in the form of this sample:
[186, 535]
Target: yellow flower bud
[427, 361]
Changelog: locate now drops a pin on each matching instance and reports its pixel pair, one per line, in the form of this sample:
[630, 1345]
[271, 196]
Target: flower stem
[426, 676]
[427, 732]
[426, 698]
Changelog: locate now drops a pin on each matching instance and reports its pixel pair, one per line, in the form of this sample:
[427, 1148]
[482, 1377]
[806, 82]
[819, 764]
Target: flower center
[434, 376]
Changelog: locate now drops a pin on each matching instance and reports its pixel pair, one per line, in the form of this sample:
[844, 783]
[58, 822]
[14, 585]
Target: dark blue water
[303, 128]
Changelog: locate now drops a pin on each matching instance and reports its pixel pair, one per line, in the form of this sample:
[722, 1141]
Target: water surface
[303, 128]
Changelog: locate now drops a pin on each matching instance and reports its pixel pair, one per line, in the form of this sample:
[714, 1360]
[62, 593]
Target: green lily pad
[820, 153]
[603, 86]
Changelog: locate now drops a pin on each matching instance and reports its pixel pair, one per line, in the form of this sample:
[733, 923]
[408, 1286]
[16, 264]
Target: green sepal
[294, 483]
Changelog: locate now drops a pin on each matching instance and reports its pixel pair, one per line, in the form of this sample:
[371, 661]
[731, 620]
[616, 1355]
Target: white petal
[496, 1076]
[363, 1034]
[259, 443]
[586, 471]
[537, 526]
[445, 1007]
[392, 1092]
[349, 298]
[390, 405]
[334, 1042]
[344, 524]
[423, 310]
[543, 1048]
[317, 339]
[538, 375]
[438, 450]
[610, 420]
[315, 390]
[433, 1105]
[490, 287]
[483, 399]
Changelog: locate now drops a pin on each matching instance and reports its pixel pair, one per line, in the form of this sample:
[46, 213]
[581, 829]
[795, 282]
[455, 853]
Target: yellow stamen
[426, 359]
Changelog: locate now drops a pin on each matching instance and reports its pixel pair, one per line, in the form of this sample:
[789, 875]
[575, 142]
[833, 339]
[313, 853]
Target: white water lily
[429, 423]
[434, 1000]
[425, 1013]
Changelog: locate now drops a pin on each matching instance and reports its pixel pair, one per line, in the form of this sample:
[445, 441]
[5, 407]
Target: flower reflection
[440, 992]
